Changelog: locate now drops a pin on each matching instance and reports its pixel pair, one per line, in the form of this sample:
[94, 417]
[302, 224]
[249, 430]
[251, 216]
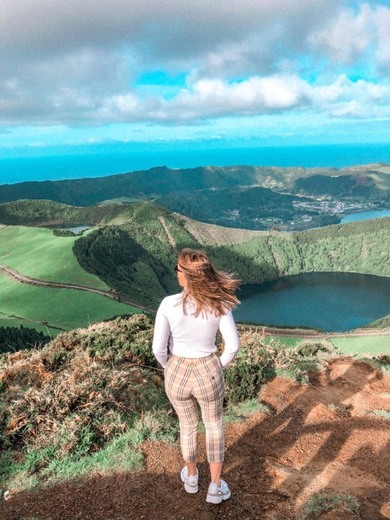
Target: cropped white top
[191, 336]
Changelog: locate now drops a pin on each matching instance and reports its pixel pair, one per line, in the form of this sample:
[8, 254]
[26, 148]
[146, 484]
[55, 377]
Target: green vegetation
[141, 253]
[382, 323]
[259, 361]
[233, 208]
[362, 344]
[134, 247]
[241, 411]
[13, 338]
[85, 401]
[319, 504]
[239, 196]
[382, 413]
[81, 403]
[37, 253]
[56, 309]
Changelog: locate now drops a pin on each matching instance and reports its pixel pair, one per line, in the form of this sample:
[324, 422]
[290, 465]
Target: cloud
[361, 36]
[382, 22]
[344, 39]
[212, 99]
[81, 63]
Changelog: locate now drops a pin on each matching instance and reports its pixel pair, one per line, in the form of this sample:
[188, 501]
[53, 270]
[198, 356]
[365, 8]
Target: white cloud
[345, 38]
[382, 25]
[359, 36]
[77, 63]
[210, 99]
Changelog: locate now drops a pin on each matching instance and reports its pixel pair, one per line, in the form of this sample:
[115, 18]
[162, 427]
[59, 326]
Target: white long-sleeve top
[191, 336]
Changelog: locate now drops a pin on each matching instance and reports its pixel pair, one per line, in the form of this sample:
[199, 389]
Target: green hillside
[250, 197]
[163, 180]
[54, 214]
[52, 310]
[132, 249]
[144, 251]
[38, 253]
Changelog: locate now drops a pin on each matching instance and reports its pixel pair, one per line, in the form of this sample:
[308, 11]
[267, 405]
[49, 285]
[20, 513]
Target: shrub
[321, 503]
[259, 361]
[81, 390]
[250, 369]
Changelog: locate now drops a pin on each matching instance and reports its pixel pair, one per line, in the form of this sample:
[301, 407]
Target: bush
[251, 368]
[81, 390]
[321, 503]
[259, 361]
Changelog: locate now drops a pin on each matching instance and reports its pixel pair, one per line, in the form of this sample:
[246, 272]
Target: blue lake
[332, 302]
[365, 215]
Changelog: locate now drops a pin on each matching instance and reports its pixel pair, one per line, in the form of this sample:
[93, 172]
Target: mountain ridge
[251, 197]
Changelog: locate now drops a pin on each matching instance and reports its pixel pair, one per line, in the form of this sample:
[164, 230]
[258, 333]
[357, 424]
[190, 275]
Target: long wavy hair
[209, 289]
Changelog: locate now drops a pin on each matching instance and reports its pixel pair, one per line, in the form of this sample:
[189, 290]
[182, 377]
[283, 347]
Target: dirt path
[171, 240]
[314, 334]
[59, 285]
[320, 437]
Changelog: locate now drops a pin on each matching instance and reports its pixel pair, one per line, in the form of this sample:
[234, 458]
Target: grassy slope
[362, 345]
[36, 252]
[64, 308]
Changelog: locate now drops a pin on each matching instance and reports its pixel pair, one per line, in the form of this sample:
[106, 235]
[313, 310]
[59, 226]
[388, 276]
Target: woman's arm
[229, 333]
[160, 337]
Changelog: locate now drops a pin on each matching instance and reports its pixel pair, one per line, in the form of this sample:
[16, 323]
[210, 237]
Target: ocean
[76, 166]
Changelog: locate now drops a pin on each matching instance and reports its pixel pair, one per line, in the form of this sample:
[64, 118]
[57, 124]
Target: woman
[188, 323]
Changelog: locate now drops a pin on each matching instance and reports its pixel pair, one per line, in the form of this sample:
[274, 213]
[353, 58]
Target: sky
[98, 74]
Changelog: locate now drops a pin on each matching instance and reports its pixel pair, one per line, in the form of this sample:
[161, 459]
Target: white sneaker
[190, 483]
[216, 494]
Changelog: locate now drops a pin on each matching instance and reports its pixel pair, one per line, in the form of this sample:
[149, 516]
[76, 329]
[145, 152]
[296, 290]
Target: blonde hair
[209, 289]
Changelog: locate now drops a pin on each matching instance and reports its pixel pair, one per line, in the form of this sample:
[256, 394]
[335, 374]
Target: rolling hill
[236, 196]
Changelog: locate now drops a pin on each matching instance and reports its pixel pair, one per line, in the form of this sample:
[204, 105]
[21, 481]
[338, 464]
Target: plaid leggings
[188, 381]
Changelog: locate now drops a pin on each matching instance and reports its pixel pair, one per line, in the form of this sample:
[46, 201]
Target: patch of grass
[382, 413]
[319, 504]
[372, 344]
[122, 453]
[55, 307]
[241, 411]
[38, 253]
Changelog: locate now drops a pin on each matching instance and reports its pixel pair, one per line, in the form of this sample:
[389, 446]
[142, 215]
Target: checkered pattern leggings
[188, 381]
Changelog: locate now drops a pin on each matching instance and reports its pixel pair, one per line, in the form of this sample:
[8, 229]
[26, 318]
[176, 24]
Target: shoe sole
[190, 489]
[217, 499]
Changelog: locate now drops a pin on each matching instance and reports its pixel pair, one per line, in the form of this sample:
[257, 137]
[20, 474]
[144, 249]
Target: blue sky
[98, 74]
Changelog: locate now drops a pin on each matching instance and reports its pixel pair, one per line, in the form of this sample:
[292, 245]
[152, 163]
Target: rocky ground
[318, 438]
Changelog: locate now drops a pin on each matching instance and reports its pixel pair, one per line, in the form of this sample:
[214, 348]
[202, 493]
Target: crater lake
[331, 302]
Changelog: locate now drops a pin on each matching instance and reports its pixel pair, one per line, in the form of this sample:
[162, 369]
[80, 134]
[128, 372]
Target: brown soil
[320, 437]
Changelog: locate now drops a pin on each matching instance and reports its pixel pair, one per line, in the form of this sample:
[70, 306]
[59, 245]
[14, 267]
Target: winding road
[59, 285]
